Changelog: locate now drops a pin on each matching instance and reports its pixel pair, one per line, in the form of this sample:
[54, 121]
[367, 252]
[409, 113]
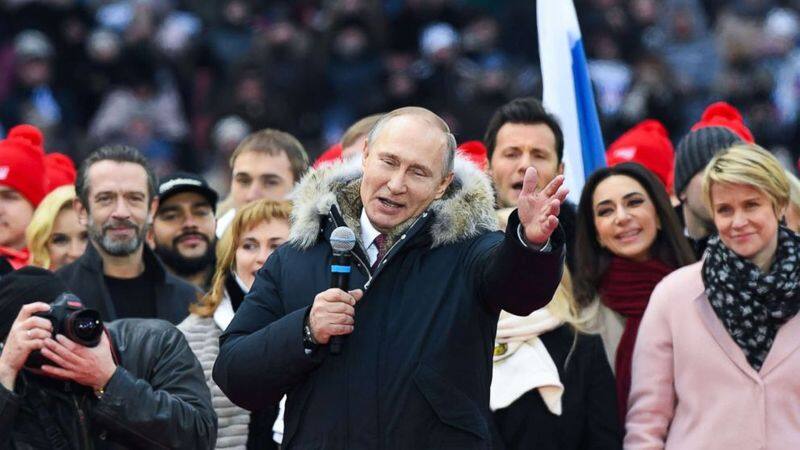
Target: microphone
[342, 242]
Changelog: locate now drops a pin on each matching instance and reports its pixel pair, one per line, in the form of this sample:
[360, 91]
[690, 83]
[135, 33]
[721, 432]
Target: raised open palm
[538, 210]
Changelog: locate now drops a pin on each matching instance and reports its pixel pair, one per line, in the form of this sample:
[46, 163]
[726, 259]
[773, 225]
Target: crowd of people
[185, 80]
[635, 319]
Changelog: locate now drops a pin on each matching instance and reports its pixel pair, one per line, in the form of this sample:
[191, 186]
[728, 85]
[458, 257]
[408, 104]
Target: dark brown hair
[274, 142]
[591, 260]
[119, 154]
[527, 111]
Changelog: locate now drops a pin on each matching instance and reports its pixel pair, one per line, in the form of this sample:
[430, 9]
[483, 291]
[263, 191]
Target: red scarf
[17, 258]
[625, 288]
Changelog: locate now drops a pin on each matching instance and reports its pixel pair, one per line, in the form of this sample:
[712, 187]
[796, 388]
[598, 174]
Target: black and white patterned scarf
[753, 304]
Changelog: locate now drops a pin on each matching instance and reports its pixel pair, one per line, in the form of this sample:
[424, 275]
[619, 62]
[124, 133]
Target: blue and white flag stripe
[567, 91]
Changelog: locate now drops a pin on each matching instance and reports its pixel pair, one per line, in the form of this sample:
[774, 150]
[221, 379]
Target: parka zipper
[366, 267]
[388, 252]
[378, 263]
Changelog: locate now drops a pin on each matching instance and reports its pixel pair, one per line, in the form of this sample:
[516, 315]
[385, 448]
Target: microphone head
[342, 240]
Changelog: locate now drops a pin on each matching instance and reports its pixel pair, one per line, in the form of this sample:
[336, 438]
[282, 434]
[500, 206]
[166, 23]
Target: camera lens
[85, 327]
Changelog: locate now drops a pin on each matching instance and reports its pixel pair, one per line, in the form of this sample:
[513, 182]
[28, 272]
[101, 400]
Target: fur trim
[465, 211]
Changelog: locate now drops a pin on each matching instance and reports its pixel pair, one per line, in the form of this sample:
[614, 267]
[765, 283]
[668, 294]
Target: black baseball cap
[186, 182]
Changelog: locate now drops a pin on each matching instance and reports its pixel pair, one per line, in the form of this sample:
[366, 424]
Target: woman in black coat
[552, 386]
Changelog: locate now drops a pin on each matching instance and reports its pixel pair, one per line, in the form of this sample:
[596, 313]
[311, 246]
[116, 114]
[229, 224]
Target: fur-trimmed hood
[466, 210]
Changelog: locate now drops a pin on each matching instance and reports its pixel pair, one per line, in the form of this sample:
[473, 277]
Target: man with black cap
[183, 227]
[720, 127]
[139, 387]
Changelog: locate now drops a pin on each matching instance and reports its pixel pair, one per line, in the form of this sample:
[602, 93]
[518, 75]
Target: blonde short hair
[38, 233]
[245, 219]
[751, 165]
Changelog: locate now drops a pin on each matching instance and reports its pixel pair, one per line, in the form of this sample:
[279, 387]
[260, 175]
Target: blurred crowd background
[186, 80]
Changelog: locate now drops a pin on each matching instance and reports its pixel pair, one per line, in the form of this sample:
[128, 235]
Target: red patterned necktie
[380, 243]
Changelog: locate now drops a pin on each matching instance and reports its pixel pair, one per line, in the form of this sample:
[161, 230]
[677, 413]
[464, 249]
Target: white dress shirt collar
[368, 235]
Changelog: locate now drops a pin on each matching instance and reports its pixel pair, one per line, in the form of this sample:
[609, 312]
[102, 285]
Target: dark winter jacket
[84, 278]
[566, 219]
[157, 398]
[416, 371]
[589, 403]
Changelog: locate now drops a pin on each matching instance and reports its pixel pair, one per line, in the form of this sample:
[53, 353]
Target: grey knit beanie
[697, 149]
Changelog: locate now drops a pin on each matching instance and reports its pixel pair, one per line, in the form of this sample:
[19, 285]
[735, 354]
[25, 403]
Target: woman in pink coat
[716, 363]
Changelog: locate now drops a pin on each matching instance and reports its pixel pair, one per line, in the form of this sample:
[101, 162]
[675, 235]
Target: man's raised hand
[538, 210]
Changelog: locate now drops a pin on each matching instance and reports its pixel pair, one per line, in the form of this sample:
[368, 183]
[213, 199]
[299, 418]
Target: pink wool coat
[692, 387]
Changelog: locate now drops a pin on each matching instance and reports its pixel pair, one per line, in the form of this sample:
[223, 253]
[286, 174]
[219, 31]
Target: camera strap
[51, 429]
[114, 352]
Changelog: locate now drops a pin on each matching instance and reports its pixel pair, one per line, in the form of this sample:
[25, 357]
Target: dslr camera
[68, 316]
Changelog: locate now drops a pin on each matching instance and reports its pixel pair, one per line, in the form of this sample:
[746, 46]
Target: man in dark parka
[432, 273]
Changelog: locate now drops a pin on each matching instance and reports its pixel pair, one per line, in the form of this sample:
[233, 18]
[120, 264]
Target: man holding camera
[133, 384]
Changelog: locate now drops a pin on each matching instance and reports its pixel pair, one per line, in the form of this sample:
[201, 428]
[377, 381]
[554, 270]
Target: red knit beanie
[476, 152]
[332, 155]
[647, 144]
[59, 170]
[22, 163]
[721, 114]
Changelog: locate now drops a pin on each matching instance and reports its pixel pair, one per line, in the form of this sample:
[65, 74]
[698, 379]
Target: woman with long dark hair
[716, 361]
[627, 240]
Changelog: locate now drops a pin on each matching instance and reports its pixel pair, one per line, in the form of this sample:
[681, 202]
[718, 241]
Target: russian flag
[568, 91]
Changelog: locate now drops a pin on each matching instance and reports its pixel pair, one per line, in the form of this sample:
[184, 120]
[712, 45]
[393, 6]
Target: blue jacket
[416, 371]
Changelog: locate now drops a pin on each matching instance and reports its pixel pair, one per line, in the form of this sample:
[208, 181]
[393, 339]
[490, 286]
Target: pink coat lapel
[720, 334]
[786, 342]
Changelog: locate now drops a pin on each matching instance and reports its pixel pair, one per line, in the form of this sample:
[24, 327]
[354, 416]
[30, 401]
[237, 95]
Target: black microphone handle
[340, 278]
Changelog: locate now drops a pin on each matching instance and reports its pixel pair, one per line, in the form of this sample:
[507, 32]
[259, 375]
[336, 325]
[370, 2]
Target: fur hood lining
[466, 210]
